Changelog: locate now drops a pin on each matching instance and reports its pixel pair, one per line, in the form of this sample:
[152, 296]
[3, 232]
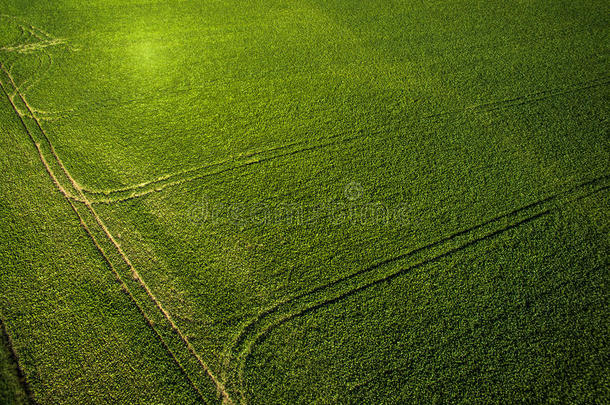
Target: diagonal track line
[265, 332]
[149, 322]
[254, 157]
[100, 223]
[248, 346]
[82, 191]
[464, 232]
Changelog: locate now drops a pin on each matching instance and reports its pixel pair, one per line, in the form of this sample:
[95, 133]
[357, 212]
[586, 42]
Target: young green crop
[306, 202]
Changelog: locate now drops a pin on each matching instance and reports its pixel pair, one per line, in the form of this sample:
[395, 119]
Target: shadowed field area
[280, 202]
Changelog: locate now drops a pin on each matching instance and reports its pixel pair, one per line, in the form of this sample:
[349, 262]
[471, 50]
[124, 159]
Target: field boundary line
[250, 158]
[182, 336]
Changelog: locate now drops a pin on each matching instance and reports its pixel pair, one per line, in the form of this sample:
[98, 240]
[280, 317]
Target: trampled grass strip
[104, 254]
[41, 143]
[247, 327]
[42, 41]
[242, 358]
[35, 32]
[29, 48]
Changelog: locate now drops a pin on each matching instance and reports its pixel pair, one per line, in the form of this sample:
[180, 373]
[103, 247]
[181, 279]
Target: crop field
[304, 202]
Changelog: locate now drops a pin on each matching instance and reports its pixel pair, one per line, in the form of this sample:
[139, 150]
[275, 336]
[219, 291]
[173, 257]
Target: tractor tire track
[527, 98]
[187, 171]
[265, 332]
[104, 255]
[41, 71]
[240, 346]
[29, 115]
[100, 223]
[464, 232]
[250, 158]
[246, 163]
[31, 29]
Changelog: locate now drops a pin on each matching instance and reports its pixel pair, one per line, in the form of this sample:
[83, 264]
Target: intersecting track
[259, 156]
[24, 46]
[255, 157]
[257, 329]
[174, 340]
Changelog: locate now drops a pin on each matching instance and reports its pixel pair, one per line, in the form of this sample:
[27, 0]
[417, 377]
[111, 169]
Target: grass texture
[280, 202]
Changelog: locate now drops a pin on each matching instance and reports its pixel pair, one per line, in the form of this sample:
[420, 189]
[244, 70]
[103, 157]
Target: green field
[298, 202]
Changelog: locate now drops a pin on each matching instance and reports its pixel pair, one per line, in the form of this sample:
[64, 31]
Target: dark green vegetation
[12, 383]
[306, 202]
